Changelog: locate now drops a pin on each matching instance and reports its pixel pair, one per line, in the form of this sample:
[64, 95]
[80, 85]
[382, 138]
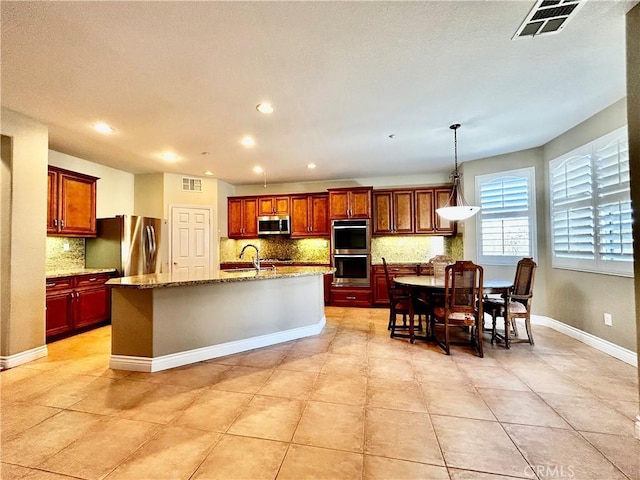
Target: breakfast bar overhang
[161, 321]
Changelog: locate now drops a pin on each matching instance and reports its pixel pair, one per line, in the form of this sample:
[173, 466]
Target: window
[591, 207]
[507, 218]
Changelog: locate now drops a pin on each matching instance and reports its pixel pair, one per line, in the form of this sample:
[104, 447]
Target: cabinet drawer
[57, 284]
[91, 280]
[351, 297]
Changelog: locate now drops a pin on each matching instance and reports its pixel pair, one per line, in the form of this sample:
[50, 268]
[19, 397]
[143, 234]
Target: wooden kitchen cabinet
[242, 217]
[350, 203]
[379, 281]
[71, 209]
[393, 212]
[344, 296]
[411, 211]
[442, 225]
[273, 205]
[310, 215]
[76, 302]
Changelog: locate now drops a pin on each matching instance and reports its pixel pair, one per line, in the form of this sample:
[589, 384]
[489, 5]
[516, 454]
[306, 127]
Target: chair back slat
[463, 287]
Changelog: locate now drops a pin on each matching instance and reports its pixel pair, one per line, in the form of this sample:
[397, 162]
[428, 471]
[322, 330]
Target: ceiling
[186, 77]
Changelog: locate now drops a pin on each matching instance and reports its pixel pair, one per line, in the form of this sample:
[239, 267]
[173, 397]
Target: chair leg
[446, 339]
[479, 339]
[527, 324]
[493, 327]
[390, 319]
[514, 326]
[507, 322]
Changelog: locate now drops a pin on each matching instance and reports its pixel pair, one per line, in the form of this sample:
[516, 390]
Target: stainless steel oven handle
[350, 256]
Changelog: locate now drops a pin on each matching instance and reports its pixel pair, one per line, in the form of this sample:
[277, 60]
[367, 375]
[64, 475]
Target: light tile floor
[350, 403]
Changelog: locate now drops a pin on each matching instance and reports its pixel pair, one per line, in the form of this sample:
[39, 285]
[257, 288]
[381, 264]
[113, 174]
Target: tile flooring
[350, 403]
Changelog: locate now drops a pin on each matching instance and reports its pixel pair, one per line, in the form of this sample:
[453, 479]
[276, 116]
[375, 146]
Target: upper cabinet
[243, 217]
[310, 215]
[273, 205]
[71, 209]
[350, 203]
[411, 211]
[393, 212]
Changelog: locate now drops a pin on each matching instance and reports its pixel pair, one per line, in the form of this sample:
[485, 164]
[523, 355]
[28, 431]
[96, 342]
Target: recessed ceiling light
[102, 128]
[311, 166]
[264, 108]
[209, 173]
[248, 141]
[169, 157]
[257, 169]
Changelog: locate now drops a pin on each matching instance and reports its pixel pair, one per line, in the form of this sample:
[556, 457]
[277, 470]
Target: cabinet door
[59, 318]
[235, 220]
[424, 211]
[380, 292]
[338, 204]
[266, 206]
[443, 225]
[77, 205]
[299, 216]
[52, 202]
[403, 211]
[360, 204]
[382, 212]
[281, 205]
[92, 306]
[319, 215]
[250, 209]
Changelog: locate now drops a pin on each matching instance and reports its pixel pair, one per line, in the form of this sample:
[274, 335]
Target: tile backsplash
[64, 254]
[299, 250]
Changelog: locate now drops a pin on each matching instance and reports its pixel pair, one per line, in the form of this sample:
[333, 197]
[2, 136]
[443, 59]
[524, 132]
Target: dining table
[432, 286]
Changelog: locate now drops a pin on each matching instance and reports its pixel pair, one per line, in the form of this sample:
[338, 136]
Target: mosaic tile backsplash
[60, 258]
[310, 250]
[395, 249]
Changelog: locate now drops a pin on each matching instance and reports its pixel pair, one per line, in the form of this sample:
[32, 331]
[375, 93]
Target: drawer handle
[93, 279]
[351, 298]
[50, 284]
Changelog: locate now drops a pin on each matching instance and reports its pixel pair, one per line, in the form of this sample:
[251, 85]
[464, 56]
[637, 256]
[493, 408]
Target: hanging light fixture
[456, 208]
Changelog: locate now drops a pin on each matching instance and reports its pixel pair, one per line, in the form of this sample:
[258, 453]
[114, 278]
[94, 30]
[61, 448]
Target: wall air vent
[548, 16]
[190, 184]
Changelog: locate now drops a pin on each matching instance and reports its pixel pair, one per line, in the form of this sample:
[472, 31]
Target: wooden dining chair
[399, 305]
[462, 304]
[518, 299]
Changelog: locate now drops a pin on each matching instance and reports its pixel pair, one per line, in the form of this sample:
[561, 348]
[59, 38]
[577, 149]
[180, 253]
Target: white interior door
[190, 240]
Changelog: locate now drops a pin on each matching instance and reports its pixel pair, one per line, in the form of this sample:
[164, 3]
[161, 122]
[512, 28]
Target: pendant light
[456, 208]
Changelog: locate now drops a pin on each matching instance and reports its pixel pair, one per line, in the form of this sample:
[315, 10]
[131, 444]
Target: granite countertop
[275, 261]
[78, 271]
[176, 279]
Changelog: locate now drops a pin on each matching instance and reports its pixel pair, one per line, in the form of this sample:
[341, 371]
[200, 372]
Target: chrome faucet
[256, 259]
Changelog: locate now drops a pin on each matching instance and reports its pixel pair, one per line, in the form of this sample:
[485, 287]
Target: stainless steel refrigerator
[130, 244]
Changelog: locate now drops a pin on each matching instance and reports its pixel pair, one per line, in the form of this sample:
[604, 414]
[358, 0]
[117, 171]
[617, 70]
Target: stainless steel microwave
[274, 225]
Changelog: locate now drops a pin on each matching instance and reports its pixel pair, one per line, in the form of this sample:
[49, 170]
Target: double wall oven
[351, 251]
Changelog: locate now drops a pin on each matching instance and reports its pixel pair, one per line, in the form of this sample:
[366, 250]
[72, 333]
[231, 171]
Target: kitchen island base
[154, 329]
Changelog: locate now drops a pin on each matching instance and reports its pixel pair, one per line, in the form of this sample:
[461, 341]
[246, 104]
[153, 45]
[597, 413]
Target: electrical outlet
[608, 320]
[65, 247]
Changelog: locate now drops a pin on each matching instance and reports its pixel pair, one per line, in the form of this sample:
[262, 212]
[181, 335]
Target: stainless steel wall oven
[351, 252]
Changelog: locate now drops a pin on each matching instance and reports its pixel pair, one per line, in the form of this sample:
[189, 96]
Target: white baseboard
[156, 364]
[16, 359]
[598, 343]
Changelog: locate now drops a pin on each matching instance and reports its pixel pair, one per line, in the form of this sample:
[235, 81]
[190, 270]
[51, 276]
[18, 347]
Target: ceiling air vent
[548, 16]
[190, 184]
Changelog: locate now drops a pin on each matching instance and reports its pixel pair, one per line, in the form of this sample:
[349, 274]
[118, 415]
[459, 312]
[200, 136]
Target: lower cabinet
[77, 302]
[350, 296]
[379, 281]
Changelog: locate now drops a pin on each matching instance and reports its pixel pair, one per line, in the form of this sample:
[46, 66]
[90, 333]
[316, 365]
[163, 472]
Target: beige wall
[633, 115]
[579, 298]
[512, 161]
[114, 187]
[149, 195]
[23, 224]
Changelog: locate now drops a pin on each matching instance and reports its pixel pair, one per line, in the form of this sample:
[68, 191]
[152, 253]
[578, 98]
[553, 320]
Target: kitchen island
[161, 321]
